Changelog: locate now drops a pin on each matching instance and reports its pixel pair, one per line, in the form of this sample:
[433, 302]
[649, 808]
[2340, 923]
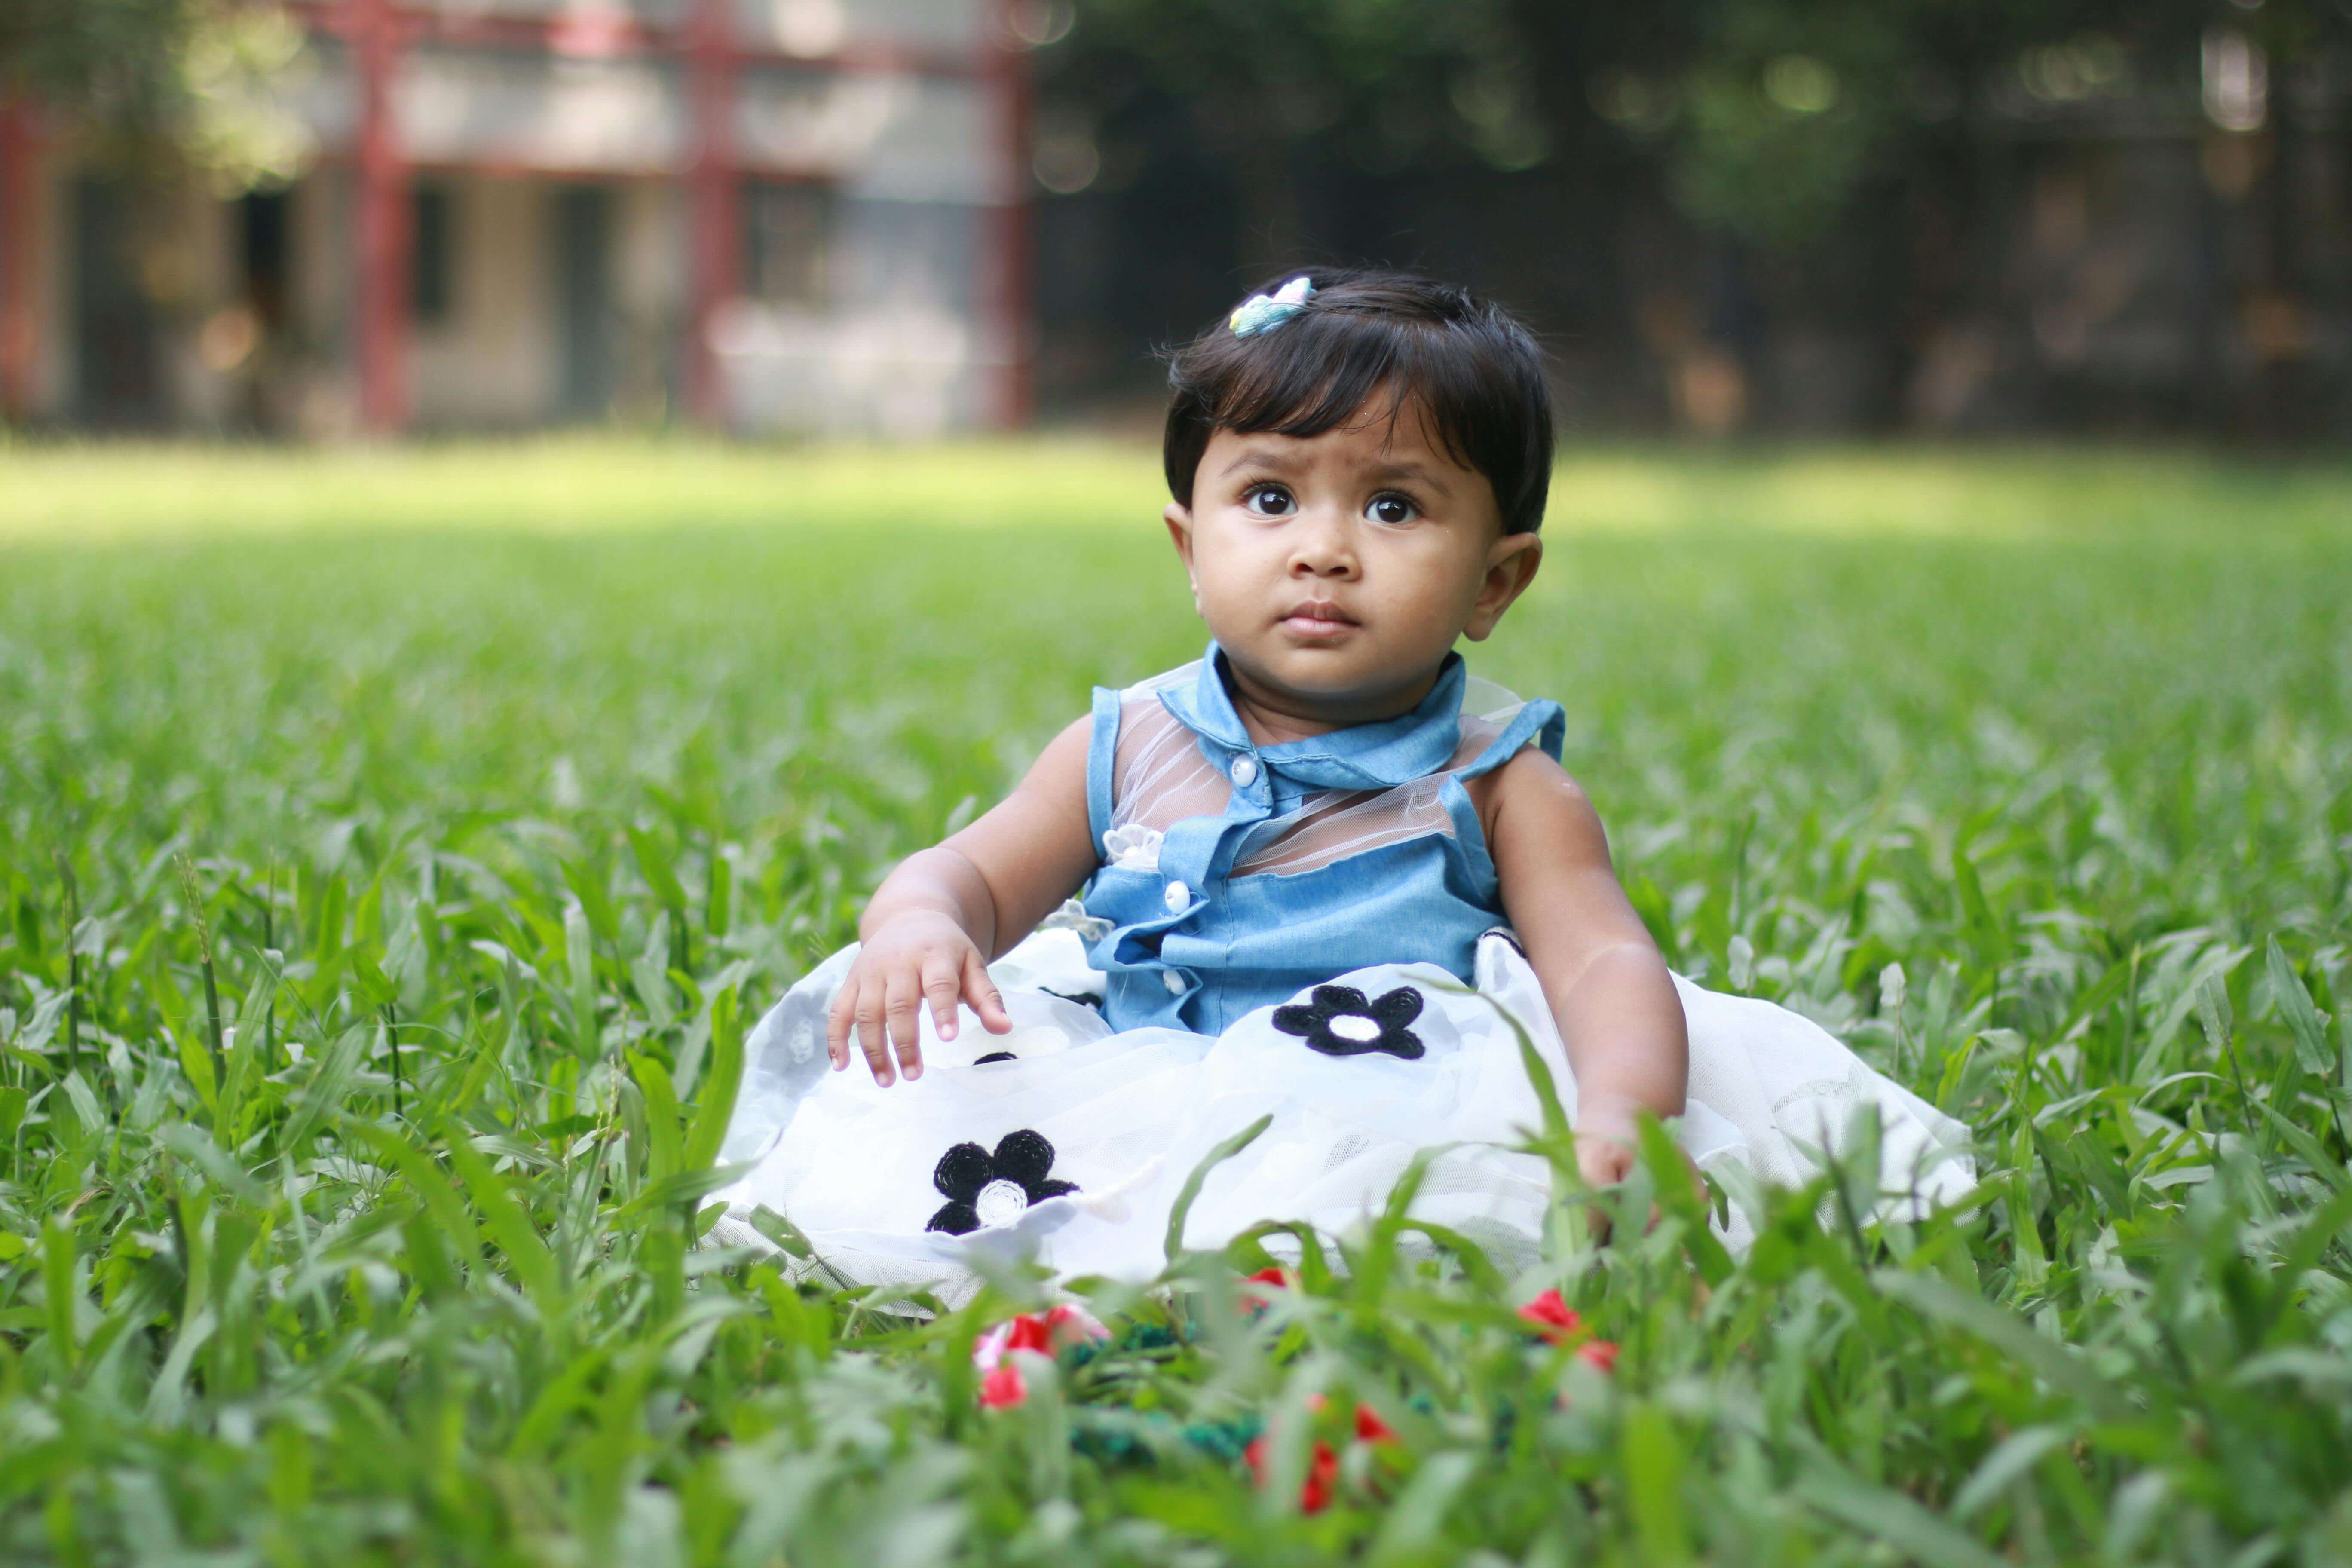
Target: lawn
[429, 822]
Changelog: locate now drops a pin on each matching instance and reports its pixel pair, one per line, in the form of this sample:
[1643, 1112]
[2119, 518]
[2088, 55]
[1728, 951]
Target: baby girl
[1322, 877]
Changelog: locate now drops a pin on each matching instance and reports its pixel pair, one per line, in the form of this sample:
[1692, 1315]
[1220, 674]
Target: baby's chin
[1344, 677]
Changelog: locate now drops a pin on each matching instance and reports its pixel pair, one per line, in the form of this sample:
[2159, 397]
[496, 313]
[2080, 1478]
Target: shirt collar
[1362, 756]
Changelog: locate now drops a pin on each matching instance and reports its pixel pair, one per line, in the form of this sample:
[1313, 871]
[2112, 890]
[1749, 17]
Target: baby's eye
[1392, 509]
[1269, 501]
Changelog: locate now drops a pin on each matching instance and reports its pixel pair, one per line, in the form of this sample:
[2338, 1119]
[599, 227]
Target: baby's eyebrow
[1410, 471]
[1258, 457]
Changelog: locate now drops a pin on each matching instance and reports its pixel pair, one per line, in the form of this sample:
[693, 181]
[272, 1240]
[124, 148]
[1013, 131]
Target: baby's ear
[1179, 519]
[1510, 566]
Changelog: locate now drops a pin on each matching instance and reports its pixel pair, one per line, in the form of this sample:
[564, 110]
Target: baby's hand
[1604, 1157]
[1606, 1151]
[918, 957]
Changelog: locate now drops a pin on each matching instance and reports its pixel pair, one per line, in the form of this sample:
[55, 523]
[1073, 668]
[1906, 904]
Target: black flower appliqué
[1341, 1023]
[982, 1188]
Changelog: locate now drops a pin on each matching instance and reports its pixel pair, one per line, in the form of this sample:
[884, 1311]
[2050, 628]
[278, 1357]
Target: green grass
[563, 758]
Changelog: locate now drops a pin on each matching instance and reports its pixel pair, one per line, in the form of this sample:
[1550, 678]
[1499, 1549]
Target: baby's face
[1336, 571]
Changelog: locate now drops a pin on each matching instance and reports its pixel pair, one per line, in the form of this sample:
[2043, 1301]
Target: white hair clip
[1259, 311]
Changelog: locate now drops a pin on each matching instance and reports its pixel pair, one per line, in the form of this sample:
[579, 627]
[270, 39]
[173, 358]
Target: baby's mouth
[1319, 618]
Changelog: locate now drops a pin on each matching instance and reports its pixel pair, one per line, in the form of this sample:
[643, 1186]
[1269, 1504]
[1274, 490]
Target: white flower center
[1355, 1027]
[1000, 1203]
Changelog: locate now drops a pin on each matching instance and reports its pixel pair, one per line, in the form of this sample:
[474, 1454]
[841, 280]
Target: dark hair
[1473, 370]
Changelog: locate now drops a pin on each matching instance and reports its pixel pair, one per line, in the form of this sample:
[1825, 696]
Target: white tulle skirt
[1066, 1146]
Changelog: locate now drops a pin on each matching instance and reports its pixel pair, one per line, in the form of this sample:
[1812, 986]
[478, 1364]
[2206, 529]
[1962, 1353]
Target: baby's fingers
[905, 1012]
[871, 1036]
[940, 989]
[1603, 1162]
[838, 1020]
[982, 992]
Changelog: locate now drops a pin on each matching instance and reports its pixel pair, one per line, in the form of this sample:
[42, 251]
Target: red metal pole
[385, 224]
[718, 232]
[1012, 223]
[20, 258]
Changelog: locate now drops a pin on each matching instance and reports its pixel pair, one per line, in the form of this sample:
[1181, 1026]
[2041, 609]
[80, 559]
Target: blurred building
[770, 215]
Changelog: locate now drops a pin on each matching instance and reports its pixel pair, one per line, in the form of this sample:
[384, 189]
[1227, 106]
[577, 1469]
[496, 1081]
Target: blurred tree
[1879, 124]
[157, 84]
[1267, 85]
[1782, 110]
[1770, 115]
[1775, 113]
[1856, 180]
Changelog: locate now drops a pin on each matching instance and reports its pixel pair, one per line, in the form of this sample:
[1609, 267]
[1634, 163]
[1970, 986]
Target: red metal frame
[717, 198]
[20, 258]
[625, 36]
[385, 242]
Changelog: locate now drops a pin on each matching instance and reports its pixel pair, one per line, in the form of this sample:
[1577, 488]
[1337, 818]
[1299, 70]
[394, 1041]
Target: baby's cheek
[1420, 623]
[1215, 583]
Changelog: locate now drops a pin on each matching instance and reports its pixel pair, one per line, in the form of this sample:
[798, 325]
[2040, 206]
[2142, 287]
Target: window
[433, 268]
[267, 255]
[787, 241]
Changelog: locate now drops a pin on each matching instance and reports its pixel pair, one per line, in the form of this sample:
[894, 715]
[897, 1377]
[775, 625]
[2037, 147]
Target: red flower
[1554, 1318]
[1322, 1474]
[1030, 1334]
[1599, 1354]
[1000, 1383]
[1003, 1387]
[1257, 1301]
[1066, 1325]
[1044, 1334]
[1316, 1492]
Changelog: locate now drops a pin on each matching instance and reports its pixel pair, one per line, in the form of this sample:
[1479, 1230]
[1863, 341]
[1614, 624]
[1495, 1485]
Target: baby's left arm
[1608, 985]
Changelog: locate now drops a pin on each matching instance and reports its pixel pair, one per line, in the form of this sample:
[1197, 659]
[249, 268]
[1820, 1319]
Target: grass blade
[1181, 1209]
[716, 1104]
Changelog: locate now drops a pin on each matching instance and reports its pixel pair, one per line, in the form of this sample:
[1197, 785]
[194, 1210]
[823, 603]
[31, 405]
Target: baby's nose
[1323, 551]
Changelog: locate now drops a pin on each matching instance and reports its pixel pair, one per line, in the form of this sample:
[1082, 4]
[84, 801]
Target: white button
[1175, 981]
[1178, 897]
[1245, 771]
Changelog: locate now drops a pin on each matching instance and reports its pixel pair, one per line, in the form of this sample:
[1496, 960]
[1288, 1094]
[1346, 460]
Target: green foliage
[161, 84]
[95, 51]
[1776, 115]
[1273, 88]
[2049, 820]
[1767, 120]
[1787, 109]
[1411, 79]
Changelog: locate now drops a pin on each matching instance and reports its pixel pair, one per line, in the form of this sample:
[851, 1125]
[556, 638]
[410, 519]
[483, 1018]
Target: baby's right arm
[937, 920]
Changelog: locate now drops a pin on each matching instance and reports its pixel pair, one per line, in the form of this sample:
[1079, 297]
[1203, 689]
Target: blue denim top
[1193, 945]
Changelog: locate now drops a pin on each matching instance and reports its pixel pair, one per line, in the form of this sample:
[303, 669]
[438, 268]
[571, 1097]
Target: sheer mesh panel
[1335, 824]
[1339, 823]
[1160, 778]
